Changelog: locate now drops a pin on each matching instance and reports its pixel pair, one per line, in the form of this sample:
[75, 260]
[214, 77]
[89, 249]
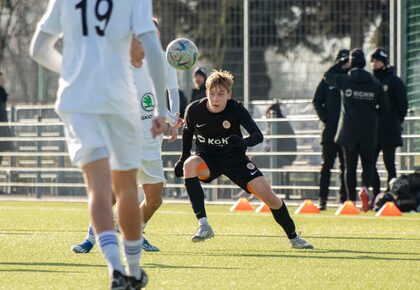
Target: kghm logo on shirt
[148, 102]
[220, 142]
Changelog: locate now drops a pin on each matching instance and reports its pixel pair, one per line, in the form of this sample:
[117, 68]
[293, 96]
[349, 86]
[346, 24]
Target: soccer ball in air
[182, 53]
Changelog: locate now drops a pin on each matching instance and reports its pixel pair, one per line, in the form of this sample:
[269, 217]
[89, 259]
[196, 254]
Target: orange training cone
[241, 204]
[347, 208]
[263, 208]
[389, 209]
[307, 207]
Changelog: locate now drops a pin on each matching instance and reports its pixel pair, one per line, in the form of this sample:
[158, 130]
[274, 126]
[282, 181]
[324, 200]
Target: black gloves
[179, 168]
[234, 141]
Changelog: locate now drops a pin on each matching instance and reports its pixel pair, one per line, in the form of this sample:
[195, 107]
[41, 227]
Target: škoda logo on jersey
[148, 102]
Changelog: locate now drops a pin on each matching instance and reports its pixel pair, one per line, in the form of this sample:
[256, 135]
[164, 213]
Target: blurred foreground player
[97, 102]
[215, 121]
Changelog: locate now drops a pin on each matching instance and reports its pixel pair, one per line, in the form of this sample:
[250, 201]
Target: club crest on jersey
[250, 166]
[385, 88]
[226, 124]
[148, 102]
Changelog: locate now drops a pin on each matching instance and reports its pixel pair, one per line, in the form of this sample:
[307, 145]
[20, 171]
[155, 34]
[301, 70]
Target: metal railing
[39, 165]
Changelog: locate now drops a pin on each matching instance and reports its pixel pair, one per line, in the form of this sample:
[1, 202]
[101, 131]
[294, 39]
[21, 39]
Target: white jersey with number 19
[95, 74]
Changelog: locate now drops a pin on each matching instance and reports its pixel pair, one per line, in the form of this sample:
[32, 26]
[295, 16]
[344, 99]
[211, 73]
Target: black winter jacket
[390, 123]
[327, 102]
[362, 98]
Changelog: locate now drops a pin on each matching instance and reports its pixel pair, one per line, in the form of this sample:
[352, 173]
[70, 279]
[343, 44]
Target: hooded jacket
[390, 123]
[362, 98]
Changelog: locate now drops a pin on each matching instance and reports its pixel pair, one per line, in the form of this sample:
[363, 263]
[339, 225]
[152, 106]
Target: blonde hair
[220, 78]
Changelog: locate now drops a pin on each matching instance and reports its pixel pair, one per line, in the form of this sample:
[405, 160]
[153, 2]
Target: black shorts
[238, 168]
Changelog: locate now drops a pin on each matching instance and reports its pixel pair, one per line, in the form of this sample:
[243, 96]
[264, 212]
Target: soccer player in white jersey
[151, 174]
[97, 102]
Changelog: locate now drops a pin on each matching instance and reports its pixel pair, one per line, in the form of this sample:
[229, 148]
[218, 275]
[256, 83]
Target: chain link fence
[291, 42]
[413, 63]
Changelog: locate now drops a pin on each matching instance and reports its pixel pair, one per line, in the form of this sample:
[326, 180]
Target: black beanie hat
[201, 71]
[357, 58]
[381, 55]
[342, 54]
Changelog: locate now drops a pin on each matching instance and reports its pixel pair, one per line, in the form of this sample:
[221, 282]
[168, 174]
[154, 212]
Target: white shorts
[92, 137]
[151, 172]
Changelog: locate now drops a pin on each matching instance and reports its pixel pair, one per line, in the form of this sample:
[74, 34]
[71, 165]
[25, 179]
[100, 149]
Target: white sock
[108, 243]
[132, 252]
[90, 236]
[203, 221]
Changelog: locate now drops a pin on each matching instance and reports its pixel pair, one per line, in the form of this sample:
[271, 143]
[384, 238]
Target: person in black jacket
[390, 123]
[362, 98]
[221, 149]
[327, 102]
[4, 130]
[199, 90]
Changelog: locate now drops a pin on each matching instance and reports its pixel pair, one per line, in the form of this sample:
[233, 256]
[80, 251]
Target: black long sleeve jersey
[213, 129]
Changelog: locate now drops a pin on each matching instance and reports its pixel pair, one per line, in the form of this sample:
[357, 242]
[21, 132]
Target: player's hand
[179, 168]
[235, 141]
[173, 134]
[179, 123]
[158, 126]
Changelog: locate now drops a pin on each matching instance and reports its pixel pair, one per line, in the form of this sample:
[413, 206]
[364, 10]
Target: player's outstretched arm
[187, 138]
[255, 135]
[157, 67]
[42, 51]
[172, 116]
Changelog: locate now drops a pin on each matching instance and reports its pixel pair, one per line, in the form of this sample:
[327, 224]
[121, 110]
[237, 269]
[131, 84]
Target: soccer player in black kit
[215, 121]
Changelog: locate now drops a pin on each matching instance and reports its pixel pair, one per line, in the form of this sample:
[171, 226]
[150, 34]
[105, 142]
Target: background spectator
[199, 90]
[327, 104]
[4, 130]
[362, 98]
[390, 123]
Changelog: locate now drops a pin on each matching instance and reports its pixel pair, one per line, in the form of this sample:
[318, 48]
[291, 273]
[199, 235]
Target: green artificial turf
[249, 250]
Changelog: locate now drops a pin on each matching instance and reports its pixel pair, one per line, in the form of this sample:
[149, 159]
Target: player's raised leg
[195, 169]
[260, 187]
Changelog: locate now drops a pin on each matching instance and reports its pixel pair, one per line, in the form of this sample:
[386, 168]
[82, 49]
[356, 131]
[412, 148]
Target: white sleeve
[142, 17]
[42, 50]
[157, 69]
[172, 82]
[172, 115]
[50, 21]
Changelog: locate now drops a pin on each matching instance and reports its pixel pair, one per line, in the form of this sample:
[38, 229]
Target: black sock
[283, 218]
[196, 194]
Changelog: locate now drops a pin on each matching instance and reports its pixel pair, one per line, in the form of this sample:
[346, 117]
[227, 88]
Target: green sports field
[249, 251]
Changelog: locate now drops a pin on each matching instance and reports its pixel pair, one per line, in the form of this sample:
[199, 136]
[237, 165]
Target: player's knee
[273, 201]
[190, 167]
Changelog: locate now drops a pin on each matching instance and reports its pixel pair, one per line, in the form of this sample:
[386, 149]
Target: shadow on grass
[315, 256]
[38, 232]
[50, 264]
[161, 266]
[366, 252]
[363, 238]
[37, 271]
